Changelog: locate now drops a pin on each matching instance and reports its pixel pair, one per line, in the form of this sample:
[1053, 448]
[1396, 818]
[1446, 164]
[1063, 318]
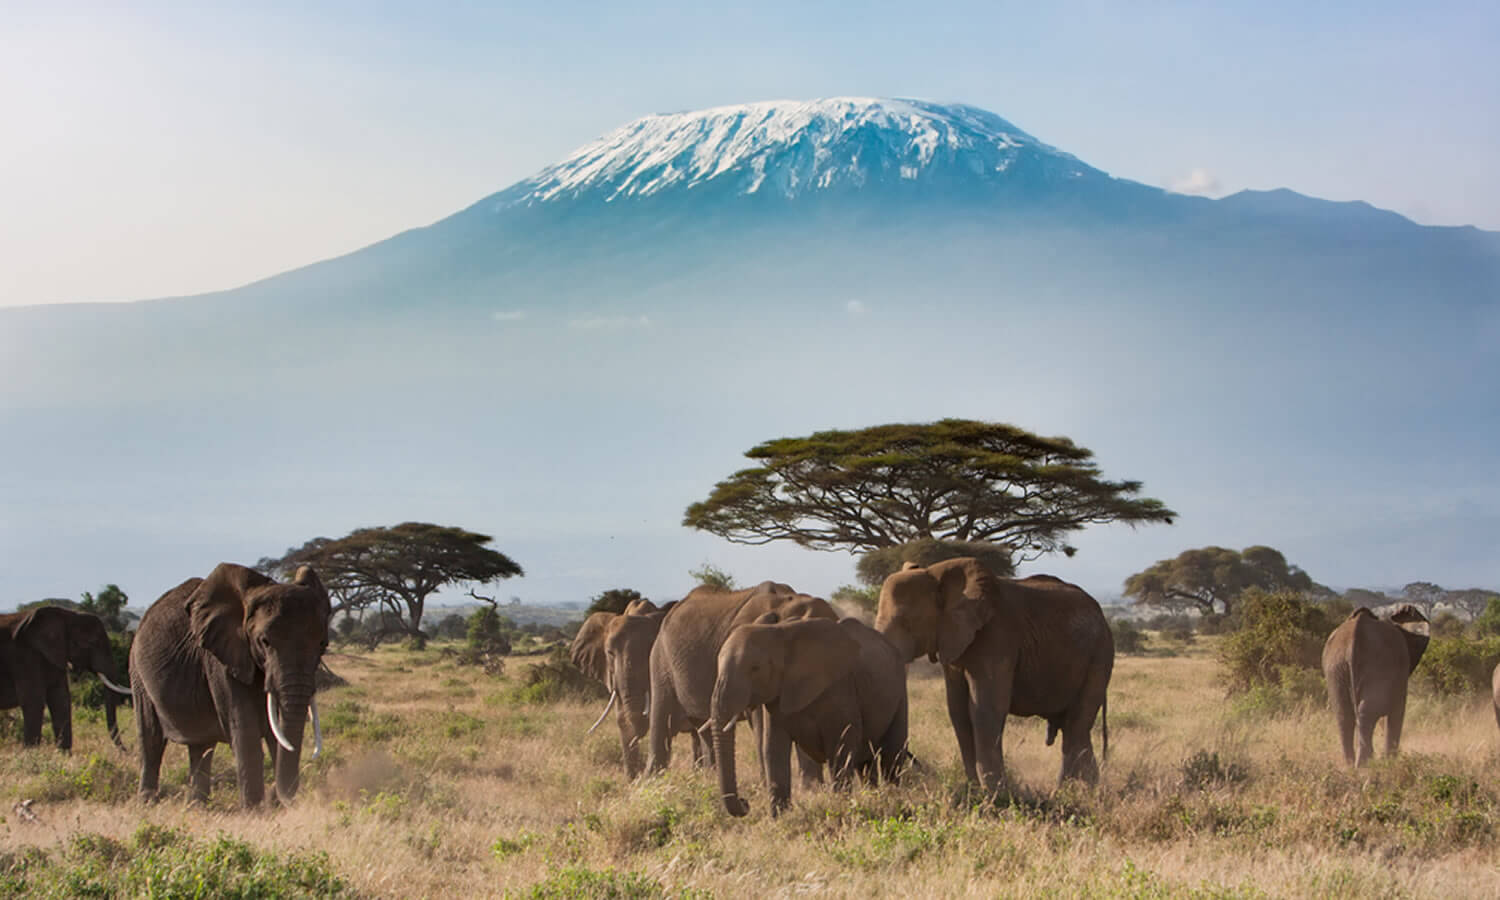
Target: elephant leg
[33, 707]
[958, 713]
[1077, 729]
[1393, 721]
[1343, 714]
[810, 769]
[663, 707]
[1078, 751]
[60, 708]
[778, 764]
[891, 753]
[1365, 719]
[153, 744]
[200, 764]
[988, 707]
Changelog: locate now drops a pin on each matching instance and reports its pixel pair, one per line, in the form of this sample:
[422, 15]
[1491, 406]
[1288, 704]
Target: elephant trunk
[111, 700]
[104, 667]
[725, 711]
[635, 701]
[290, 706]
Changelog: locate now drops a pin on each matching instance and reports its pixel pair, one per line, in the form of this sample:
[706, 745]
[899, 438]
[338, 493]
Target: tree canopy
[398, 566]
[952, 480]
[1211, 579]
[874, 566]
[613, 600]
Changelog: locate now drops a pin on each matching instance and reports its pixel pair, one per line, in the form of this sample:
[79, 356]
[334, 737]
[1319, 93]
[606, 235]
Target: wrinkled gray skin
[205, 657]
[615, 650]
[36, 648]
[1366, 662]
[685, 657]
[1034, 646]
[835, 690]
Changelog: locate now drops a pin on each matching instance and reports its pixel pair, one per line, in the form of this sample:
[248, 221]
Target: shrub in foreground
[166, 862]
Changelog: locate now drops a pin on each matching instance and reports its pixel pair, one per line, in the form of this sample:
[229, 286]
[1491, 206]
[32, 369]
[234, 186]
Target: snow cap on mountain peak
[789, 148]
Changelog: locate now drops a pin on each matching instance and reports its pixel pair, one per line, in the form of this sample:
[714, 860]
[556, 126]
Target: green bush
[856, 599]
[1277, 630]
[1129, 638]
[1487, 623]
[165, 862]
[556, 678]
[1457, 666]
[577, 881]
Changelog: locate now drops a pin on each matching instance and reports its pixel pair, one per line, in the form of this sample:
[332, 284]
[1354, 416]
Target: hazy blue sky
[170, 149]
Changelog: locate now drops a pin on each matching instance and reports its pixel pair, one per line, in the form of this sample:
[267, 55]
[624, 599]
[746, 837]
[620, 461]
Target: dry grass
[439, 781]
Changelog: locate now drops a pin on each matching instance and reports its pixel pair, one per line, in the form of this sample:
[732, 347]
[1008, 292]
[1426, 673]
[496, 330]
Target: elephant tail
[1104, 728]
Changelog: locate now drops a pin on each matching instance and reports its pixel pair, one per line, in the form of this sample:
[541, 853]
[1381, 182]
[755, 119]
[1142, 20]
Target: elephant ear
[216, 613]
[1414, 629]
[966, 590]
[588, 646]
[818, 654]
[45, 630]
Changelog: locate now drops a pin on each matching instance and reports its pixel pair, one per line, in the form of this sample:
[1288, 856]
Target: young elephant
[837, 690]
[1367, 662]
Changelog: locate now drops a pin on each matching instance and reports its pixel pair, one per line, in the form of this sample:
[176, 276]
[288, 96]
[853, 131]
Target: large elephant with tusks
[230, 658]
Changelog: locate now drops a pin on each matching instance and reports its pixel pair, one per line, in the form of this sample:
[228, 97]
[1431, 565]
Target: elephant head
[587, 649]
[789, 663]
[65, 637]
[271, 637]
[936, 610]
[1415, 629]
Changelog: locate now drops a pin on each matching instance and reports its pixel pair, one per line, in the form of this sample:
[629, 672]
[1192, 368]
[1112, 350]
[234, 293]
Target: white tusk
[607, 707]
[312, 707]
[706, 727]
[729, 726]
[276, 726]
[115, 687]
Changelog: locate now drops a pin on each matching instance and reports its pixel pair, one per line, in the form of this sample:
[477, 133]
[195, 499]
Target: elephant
[684, 659]
[1495, 691]
[230, 658]
[1367, 661]
[615, 649]
[1035, 646]
[36, 649]
[836, 690]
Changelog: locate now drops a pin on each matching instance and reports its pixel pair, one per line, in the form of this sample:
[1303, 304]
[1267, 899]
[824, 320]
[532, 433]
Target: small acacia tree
[398, 567]
[953, 480]
[613, 600]
[109, 606]
[1211, 579]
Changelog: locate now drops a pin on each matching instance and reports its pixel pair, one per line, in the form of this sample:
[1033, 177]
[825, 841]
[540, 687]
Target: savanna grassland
[438, 780]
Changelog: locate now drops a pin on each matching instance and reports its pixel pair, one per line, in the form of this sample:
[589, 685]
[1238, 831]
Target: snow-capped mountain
[569, 362]
[792, 148]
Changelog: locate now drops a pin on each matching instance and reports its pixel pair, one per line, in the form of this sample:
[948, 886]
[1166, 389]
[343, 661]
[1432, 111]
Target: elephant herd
[232, 658]
[835, 690]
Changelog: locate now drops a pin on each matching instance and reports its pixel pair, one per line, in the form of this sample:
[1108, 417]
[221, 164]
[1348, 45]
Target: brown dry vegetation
[438, 780]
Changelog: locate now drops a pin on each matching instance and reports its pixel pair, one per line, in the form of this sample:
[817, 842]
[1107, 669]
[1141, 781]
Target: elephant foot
[736, 806]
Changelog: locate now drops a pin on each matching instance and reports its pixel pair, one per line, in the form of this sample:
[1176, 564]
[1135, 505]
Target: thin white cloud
[856, 308]
[508, 315]
[599, 323]
[1199, 183]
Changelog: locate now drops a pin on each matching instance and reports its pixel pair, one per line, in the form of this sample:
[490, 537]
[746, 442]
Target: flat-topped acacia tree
[401, 565]
[955, 480]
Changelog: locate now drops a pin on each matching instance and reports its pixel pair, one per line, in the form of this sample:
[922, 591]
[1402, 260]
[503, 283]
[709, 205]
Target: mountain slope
[569, 362]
